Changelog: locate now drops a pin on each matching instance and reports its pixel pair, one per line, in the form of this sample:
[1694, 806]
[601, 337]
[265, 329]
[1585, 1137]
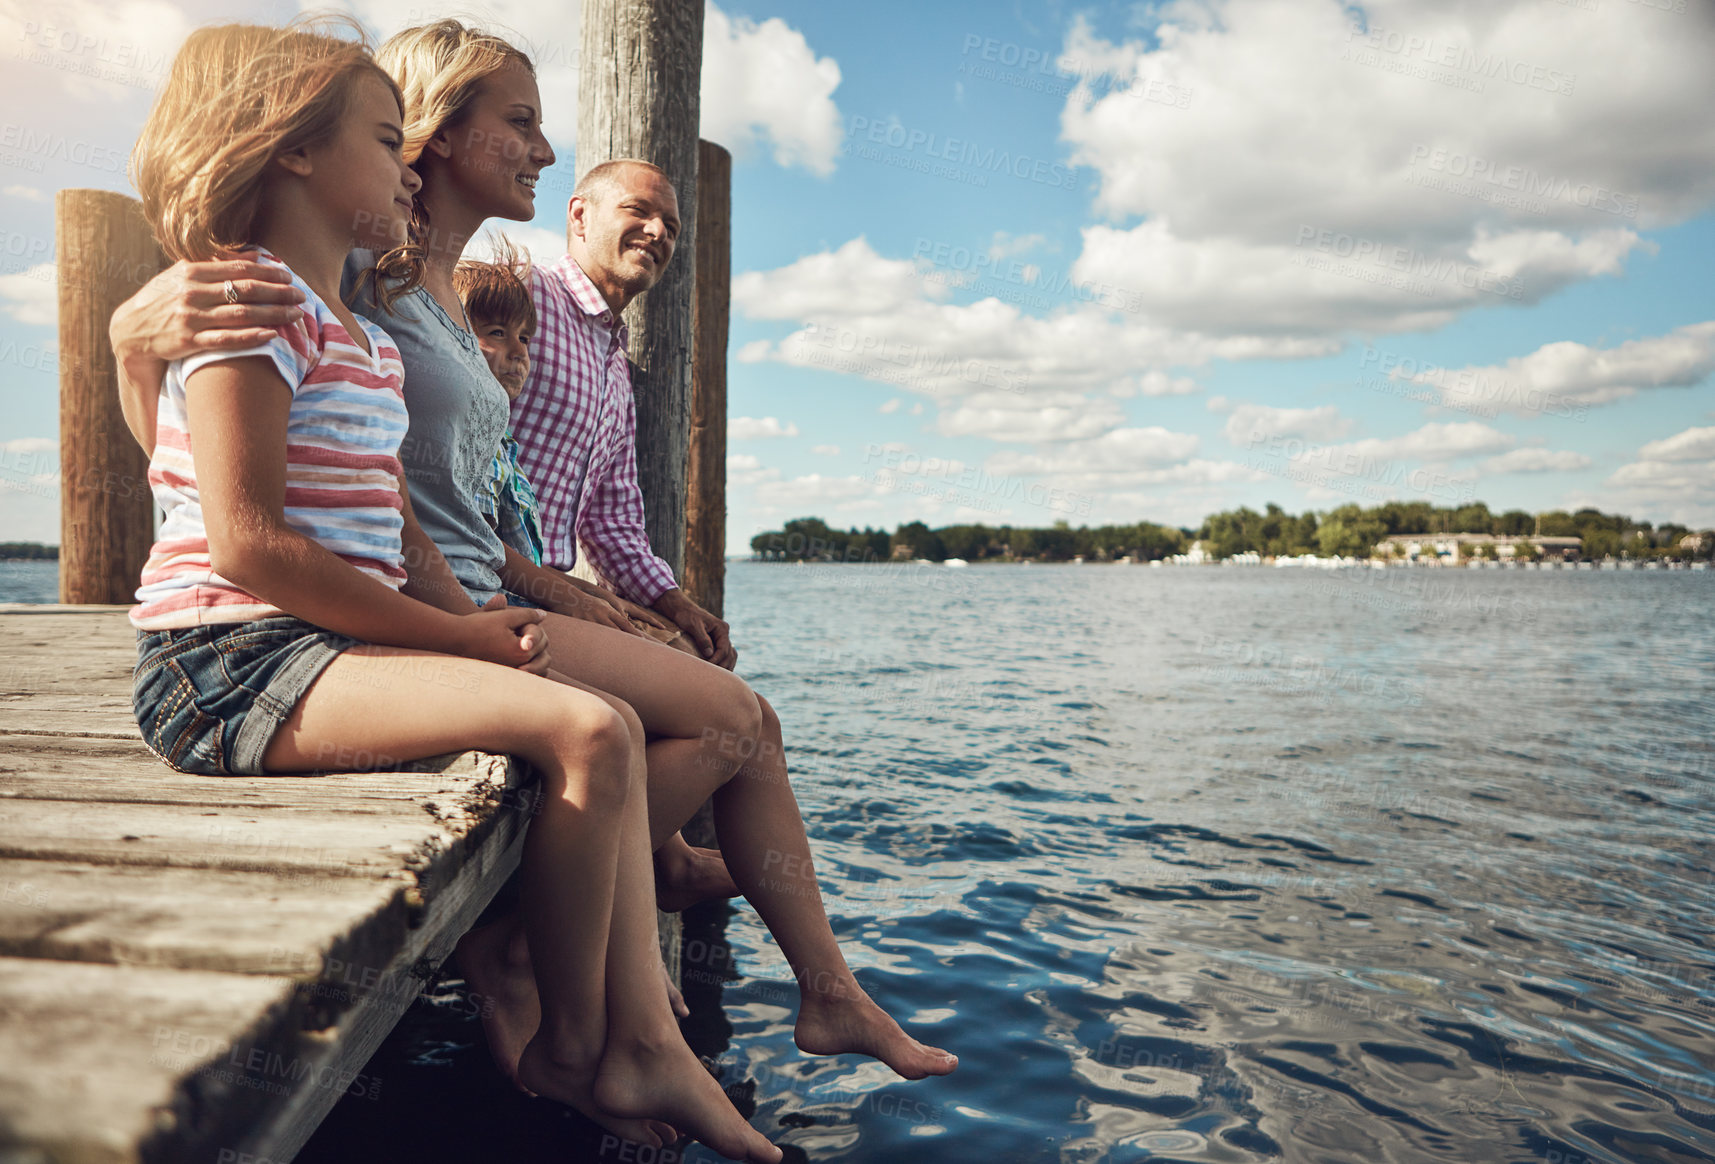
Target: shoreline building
[1457, 547]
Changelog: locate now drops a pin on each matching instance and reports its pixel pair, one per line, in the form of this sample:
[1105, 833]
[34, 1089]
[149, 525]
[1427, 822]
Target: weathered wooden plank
[371, 841]
[194, 919]
[101, 1062]
[125, 772]
[67, 670]
[362, 1027]
[337, 896]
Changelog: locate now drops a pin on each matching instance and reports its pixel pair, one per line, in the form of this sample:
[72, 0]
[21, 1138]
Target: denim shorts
[513, 599]
[208, 699]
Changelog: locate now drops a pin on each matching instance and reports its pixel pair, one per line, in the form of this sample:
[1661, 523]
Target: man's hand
[707, 633]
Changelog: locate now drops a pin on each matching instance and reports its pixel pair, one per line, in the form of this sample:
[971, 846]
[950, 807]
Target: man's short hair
[601, 181]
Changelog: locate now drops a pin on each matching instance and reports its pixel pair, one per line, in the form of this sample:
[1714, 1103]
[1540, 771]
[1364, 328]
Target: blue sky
[1027, 262]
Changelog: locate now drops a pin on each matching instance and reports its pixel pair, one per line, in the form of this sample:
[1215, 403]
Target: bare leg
[646, 1068]
[770, 858]
[743, 762]
[686, 875]
[495, 962]
[382, 701]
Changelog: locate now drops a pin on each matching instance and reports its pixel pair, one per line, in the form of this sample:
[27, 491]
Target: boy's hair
[237, 97]
[497, 292]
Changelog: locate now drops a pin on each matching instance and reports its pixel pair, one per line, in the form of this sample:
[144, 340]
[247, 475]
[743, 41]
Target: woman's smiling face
[496, 151]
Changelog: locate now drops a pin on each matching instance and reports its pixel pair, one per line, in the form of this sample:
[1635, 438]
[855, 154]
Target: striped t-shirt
[343, 431]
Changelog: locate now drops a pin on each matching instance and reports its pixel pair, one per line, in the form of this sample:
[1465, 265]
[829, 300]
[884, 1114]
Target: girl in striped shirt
[272, 632]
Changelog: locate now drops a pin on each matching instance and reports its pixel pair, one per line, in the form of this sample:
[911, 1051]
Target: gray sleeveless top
[458, 415]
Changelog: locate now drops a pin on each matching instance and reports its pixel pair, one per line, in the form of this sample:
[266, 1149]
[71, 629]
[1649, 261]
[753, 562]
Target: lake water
[1205, 865]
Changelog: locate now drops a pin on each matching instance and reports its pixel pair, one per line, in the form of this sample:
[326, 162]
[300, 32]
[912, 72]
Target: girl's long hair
[237, 97]
[440, 69]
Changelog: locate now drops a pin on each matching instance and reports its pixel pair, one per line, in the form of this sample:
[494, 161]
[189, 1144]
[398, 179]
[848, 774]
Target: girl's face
[495, 153]
[359, 178]
[506, 347]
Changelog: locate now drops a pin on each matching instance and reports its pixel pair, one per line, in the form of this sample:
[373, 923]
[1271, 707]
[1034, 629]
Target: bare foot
[685, 876]
[847, 1021]
[575, 1085]
[639, 1077]
[495, 962]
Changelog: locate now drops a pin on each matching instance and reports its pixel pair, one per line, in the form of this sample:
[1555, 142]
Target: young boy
[496, 297]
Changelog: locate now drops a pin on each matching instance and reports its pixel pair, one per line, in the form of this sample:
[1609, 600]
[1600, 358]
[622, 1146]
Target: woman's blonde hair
[439, 69]
[237, 97]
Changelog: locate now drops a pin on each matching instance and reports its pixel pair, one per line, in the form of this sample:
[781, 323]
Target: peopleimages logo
[1399, 266]
[1447, 55]
[1481, 177]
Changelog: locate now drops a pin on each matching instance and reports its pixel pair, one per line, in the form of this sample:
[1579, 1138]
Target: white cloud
[1317, 281]
[825, 450]
[1157, 384]
[1010, 418]
[542, 244]
[1565, 377]
[890, 406]
[1316, 116]
[1694, 444]
[808, 491]
[1122, 450]
[746, 428]
[30, 489]
[763, 83]
[1348, 193]
[754, 352]
[32, 296]
[110, 52]
[28, 193]
[1674, 476]
[1249, 423]
[747, 469]
[874, 317]
[853, 281]
[1005, 245]
[1536, 461]
[1432, 442]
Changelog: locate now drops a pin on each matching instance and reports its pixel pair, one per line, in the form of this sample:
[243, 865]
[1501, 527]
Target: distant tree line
[1349, 531]
[28, 551]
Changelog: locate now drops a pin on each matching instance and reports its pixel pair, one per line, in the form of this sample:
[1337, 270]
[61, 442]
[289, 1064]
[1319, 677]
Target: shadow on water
[1206, 865]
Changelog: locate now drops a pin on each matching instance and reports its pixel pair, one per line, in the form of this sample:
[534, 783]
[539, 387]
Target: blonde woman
[473, 134]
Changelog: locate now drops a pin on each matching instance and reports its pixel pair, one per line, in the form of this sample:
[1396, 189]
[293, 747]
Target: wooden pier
[196, 968]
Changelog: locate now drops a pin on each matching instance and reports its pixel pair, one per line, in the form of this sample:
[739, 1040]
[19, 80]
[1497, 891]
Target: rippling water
[1207, 864]
[1231, 864]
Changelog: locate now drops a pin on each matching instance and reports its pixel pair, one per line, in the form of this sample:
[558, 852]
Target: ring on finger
[231, 292]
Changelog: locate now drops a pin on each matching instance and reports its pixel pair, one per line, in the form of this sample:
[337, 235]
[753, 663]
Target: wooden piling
[705, 496]
[638, 94]
[104, 252]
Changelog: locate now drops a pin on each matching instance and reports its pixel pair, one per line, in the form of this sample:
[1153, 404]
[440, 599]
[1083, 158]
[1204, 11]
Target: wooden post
[638, 87]
[104, 252]
[705, 498]
[638, 97]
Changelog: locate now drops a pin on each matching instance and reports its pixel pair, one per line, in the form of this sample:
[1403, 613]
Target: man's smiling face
[628, 228]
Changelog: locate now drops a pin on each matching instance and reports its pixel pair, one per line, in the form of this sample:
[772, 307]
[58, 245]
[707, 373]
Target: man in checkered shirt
[576, 420]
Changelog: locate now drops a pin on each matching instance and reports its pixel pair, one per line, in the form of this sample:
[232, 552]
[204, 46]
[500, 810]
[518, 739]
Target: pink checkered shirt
[576, 421]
